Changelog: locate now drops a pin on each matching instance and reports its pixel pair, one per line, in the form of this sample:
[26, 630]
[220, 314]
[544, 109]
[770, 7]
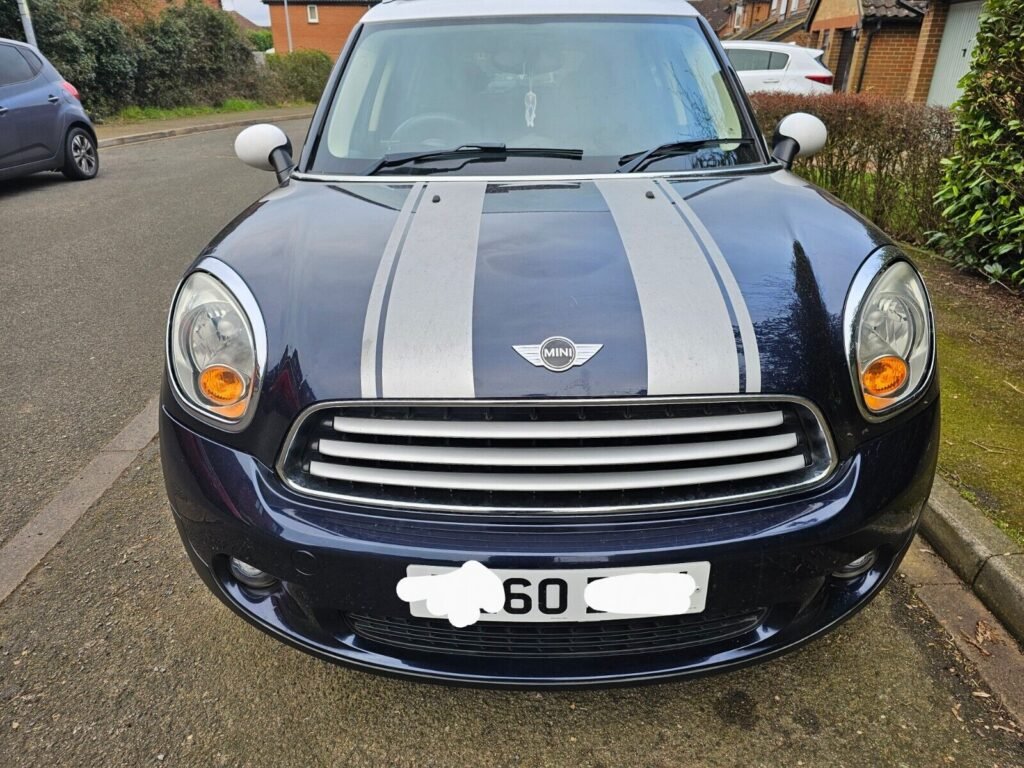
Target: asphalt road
[86, 275]
[112, 653]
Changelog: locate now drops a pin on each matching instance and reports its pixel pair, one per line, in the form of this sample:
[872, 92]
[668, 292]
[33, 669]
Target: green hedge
[983, 193]
[192, 54]
[883, 157]
[260, 39]
[301, 73]
[189, 55]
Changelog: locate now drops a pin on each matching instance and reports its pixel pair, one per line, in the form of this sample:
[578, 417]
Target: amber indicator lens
[885, 376]
[222, 385]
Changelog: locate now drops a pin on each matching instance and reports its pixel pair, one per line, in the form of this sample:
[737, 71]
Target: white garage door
[958, 43]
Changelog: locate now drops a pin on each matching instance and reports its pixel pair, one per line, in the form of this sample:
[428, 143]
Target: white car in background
[779, 67]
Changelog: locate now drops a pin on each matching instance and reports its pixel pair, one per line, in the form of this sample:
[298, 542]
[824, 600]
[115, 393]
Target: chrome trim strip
[598, 456]
[238, 288]
[554, 430]
[591, 481]
[691, 345]
[518, 513]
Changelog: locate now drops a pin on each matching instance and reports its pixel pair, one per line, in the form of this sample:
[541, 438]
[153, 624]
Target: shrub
[193, 54]
[95, 52]
[189, 55]
[302, 74]
[261, 39]
[883, 158]
[983, 193]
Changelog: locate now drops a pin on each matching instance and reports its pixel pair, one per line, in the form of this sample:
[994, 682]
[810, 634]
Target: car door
[752, 66]
[777, 77]
[30, 116]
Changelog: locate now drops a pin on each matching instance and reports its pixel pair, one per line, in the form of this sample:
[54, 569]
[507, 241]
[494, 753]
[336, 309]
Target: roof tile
[894, 9]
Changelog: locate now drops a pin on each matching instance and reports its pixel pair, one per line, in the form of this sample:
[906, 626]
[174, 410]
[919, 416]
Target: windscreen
[609, 87]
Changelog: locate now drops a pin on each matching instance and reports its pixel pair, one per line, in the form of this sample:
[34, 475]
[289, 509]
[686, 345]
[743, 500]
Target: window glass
[748, 60]
[13, 66]
[609, 87]
[33, 61]
[778, 61]
[312, 14]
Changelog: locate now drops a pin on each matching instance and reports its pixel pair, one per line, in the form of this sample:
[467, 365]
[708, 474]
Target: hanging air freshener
[531, 107]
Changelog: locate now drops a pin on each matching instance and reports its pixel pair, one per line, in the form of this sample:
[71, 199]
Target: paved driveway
[113, 653]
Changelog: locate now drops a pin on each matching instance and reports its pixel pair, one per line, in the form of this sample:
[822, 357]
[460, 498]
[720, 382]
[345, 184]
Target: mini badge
[558, 354]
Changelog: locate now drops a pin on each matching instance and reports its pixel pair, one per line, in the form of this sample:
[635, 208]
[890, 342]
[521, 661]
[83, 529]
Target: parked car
[42, 124]
[540, 368]
[779, 67]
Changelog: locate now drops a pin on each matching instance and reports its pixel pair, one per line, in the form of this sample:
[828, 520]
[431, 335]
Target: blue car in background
[42, 124]
[540, 367]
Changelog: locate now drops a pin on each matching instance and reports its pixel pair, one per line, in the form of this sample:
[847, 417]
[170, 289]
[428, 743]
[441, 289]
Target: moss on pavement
[981, 358]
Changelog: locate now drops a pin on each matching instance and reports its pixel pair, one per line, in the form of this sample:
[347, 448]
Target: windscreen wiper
[638, 160]
[483, 151]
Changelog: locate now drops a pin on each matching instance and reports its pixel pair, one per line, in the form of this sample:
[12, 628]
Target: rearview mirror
[267, 148]
[798, 135]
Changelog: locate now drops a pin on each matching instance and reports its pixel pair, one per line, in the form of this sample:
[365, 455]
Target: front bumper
[775, 557]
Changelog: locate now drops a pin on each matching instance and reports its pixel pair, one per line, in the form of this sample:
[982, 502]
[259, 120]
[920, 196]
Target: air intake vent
[556, 456]
[597, 639]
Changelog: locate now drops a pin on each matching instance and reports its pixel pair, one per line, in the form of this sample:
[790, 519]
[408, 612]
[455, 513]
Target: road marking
[44, 531]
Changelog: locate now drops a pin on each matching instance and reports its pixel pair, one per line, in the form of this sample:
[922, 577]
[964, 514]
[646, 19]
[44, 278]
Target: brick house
[745, 14]
[717, 12]
[777, 21]
[915, 50]
[323, 25]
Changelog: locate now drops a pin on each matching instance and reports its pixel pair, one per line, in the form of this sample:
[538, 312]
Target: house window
[312, 14]
[738, 21]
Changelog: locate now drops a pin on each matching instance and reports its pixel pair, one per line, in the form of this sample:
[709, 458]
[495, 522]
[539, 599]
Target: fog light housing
[857, 567]
[250, 576]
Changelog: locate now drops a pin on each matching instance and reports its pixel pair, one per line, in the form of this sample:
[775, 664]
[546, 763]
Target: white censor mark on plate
[642, 594]
[474, 592]
[460, 595]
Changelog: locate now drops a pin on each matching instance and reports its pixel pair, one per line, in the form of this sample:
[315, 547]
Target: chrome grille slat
[557, 430]
[557, 456]
[560, 482]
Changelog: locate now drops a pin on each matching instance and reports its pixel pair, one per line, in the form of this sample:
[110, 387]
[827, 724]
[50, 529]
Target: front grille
[555, 640]
[556, 456]
[515, 640]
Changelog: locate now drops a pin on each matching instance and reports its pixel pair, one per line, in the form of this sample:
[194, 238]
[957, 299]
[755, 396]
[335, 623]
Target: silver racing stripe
[427, 349]
[374, 325]
[691, 345]
[751, 354]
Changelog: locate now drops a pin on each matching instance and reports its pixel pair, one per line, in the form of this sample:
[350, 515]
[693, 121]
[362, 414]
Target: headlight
[213, 353]
[892, 336]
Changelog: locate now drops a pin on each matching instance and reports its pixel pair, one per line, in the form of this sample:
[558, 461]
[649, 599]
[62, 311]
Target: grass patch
[142, 114]
[979, 331]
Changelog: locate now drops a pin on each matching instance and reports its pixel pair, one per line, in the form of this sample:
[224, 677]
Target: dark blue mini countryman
[540, 368]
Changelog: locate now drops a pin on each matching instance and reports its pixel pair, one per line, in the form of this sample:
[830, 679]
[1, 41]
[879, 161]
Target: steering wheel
[430, 130]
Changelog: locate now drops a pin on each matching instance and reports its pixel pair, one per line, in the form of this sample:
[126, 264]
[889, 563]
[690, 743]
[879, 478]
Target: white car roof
[422, 10]
[763, 45]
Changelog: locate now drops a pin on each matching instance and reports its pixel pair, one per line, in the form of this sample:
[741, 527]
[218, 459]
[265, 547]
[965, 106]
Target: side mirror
[798, 135]
[266, 147]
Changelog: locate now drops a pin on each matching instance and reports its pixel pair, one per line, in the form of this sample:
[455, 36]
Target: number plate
[557, 595]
